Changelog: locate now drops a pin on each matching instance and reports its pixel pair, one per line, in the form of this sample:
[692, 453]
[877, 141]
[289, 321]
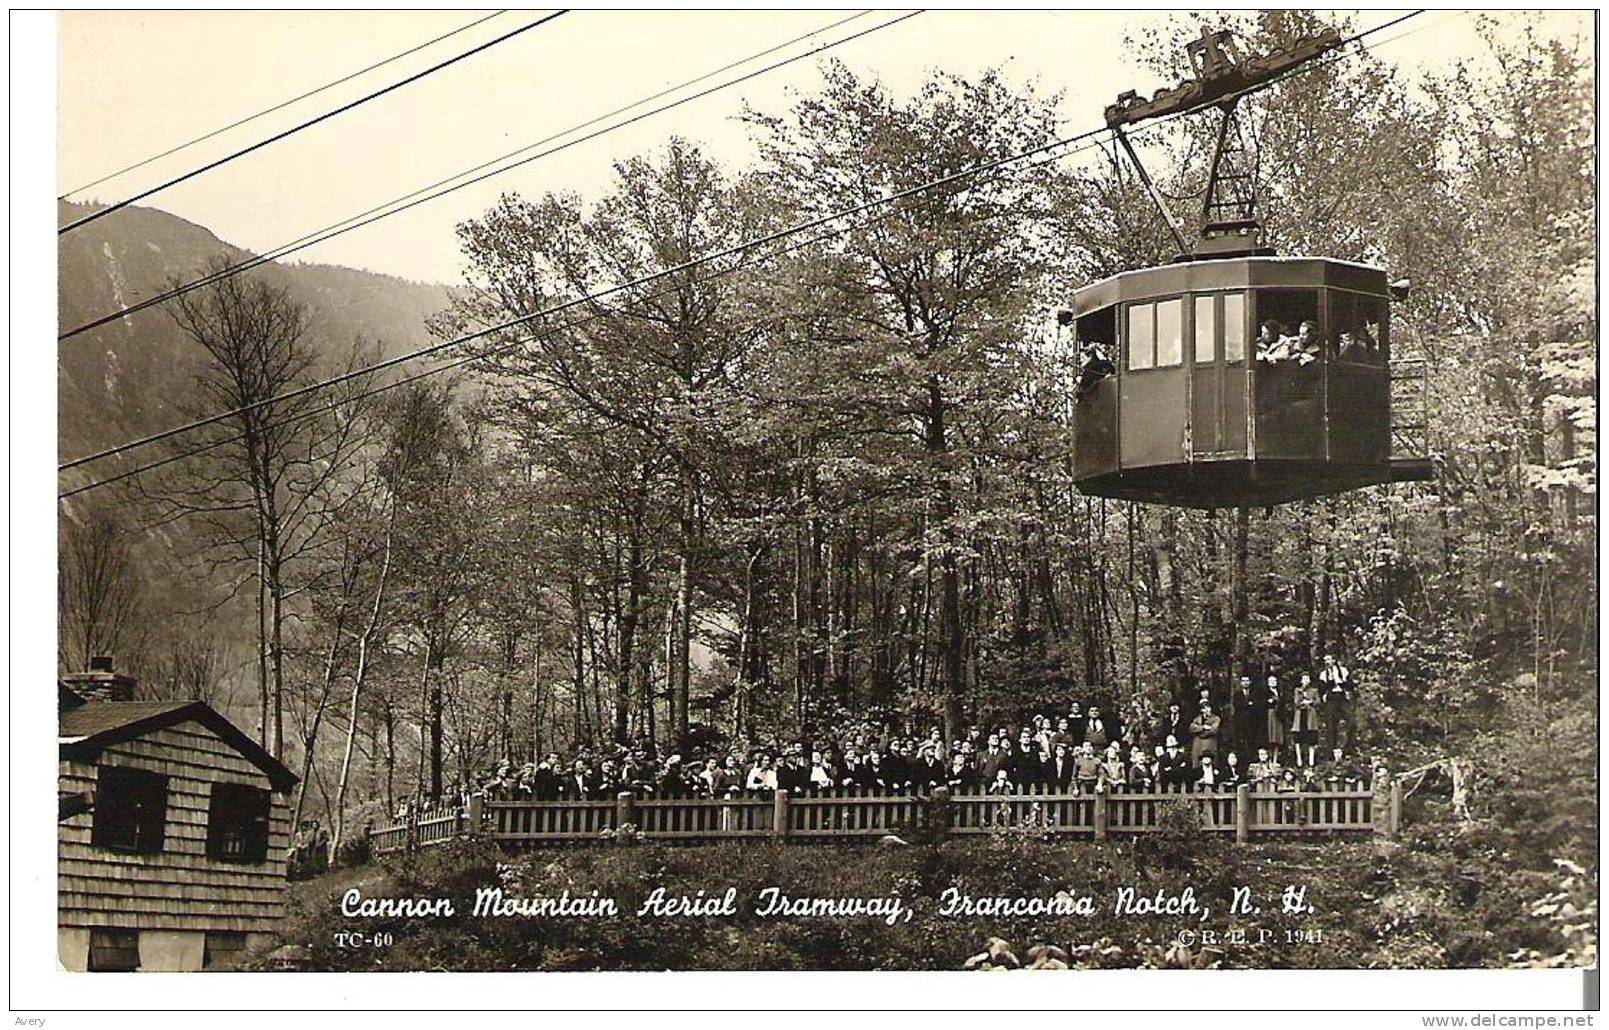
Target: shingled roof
[93, 726]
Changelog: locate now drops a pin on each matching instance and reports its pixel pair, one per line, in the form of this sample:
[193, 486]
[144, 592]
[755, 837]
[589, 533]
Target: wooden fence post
[472, 823]
[1242, 813]
[623, 813]
[1100, 813]
[779, 813]
[1395, 825]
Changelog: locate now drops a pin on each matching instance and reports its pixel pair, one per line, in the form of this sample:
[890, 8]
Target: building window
[131, 808]
[237, 823]
[1156, 334]
[223, 949]
[114, 951]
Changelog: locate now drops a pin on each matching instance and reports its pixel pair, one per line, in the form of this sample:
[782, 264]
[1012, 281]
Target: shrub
[354, 851]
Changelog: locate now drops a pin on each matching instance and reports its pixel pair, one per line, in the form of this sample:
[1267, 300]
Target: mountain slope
[137, 375]
[132, 377]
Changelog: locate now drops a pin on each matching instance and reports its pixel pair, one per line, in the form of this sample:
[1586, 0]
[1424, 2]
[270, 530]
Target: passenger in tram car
[1360, 342]
[1309, 345]
[1094, 364]
[1304, 346]
[1269, 334]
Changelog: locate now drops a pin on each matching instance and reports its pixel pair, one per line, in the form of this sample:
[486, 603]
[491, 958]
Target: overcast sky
[134, 84]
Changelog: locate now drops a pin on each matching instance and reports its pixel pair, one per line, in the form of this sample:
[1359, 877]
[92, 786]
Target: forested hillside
[841, 472]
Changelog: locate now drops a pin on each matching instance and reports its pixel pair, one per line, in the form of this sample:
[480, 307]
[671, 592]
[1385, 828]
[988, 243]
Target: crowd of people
[1264, 735]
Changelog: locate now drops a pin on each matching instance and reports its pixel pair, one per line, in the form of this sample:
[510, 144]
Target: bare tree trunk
[310, 741]
[435, 670]
[359, 674]
[424, 722]
[262, 643]
[276, 597]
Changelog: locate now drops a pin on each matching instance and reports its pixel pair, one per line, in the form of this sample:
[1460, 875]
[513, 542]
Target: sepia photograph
[779, 490]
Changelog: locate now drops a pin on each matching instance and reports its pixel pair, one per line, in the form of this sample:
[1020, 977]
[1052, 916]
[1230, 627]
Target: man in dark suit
[1075, 724]
[1176, 771]
[672, 780]
[1026, 767]
[1061, 772]
[791, 775]
[869, 774]
[993, 760]
[545, 781]
[1114, 725]
[1097, 731]
[1174, 724]
[1063, 734]
[580, 784]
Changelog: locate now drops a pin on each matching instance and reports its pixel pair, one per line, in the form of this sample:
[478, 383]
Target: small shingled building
[173, 831]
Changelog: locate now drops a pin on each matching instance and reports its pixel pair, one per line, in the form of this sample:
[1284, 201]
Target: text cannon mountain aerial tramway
[1233, 376]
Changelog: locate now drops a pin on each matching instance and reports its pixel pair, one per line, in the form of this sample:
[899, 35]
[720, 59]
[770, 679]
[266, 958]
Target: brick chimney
[101, 683]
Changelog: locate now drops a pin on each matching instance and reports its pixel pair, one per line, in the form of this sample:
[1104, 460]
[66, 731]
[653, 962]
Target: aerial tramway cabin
[172, 832]
[1233, 376]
